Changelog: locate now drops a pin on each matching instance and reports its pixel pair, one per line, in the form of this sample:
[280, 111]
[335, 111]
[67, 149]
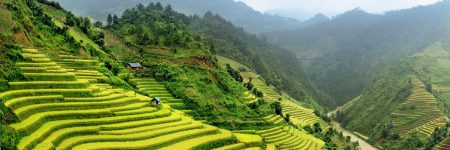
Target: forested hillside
[65, 85]
[345, 54]
[237, 44]
[408, 103]
[278, 66]
[241, 14]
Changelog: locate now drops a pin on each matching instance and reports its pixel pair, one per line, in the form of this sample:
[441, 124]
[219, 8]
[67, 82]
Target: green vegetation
[287, 137]
[277, 66]
[345, 55]
[412, 108]
[73, 92]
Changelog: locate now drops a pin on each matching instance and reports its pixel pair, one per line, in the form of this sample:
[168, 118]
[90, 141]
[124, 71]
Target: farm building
[134, 66]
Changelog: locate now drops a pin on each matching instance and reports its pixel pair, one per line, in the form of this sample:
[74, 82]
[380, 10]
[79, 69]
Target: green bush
[9, 54]
[8, 138]
[212, 94]
[277, 107]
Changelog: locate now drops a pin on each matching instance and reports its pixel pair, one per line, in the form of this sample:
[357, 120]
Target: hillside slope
[344, 55]
[410, 98]
[277, 65]
[67, 87]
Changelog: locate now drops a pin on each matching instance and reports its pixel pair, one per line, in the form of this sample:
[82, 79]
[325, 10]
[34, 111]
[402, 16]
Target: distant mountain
[237, 12]
[345, 54]
[318, 18]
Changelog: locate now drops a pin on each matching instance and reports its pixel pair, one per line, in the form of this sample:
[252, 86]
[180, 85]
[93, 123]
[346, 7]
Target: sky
[303, 9]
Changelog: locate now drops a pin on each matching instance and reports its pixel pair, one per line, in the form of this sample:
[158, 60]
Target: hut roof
[135, 65]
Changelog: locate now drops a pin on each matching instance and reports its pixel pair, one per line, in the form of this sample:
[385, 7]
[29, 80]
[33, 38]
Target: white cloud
[331, 7]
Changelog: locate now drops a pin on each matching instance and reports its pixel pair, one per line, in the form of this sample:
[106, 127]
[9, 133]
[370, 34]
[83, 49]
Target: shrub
[8, 138]
[429, 87]
[277, 107]
[287, 118]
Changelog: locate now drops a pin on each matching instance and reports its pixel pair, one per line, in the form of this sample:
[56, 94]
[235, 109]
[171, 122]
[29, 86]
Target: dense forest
[278, 66]
[253, 21]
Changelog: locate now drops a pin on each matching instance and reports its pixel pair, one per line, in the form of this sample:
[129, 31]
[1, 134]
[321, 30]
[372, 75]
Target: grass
[26, 111]
[49, 84]
[92, 139]
[155, 124]
[7, 23]
[52, 126]
[79, 36]
[305, 116]
[152, 88]
[33, 64]
[288, 137]
[51, 76]
[361, 136]
[24, 101]
[5, 96]
[231, 147]
[199, 141]
[149, 143]
[249, 139]
[234, 64]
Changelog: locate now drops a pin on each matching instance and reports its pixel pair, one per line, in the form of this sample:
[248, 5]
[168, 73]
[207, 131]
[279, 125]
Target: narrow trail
[364, 145]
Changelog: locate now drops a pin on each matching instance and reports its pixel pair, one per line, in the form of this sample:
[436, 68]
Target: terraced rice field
[444, 145]
[287, 137]
[78, 113]
[275, 119]
[269, 92]
[419, 112]
[300, 115]
[249, 97]
[152, 88]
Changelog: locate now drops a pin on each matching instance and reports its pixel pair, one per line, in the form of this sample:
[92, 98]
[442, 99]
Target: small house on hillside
[134, 66]
[155, 101]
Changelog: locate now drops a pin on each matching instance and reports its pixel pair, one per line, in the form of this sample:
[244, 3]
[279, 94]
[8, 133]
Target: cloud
[331, 7]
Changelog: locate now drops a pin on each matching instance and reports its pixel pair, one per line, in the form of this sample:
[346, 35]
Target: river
[364, 145]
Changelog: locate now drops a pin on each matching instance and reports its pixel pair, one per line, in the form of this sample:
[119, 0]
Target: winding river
[364, 145]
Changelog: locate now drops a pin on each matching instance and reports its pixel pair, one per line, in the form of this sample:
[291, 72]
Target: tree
[71, 20]
[308, 129]
[412, 141]
[109, 20]
[249, 85]
[277, 107]
[317, 128]
[287, 118]
[85, 24]
[159, 6]
[429, 87]
[115, 20]
[98, 24]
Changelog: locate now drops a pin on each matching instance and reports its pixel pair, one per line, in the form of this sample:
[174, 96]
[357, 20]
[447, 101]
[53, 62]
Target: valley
[174, 77]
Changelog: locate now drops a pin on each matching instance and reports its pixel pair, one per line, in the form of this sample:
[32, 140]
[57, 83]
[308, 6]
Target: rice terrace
[224, 75]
